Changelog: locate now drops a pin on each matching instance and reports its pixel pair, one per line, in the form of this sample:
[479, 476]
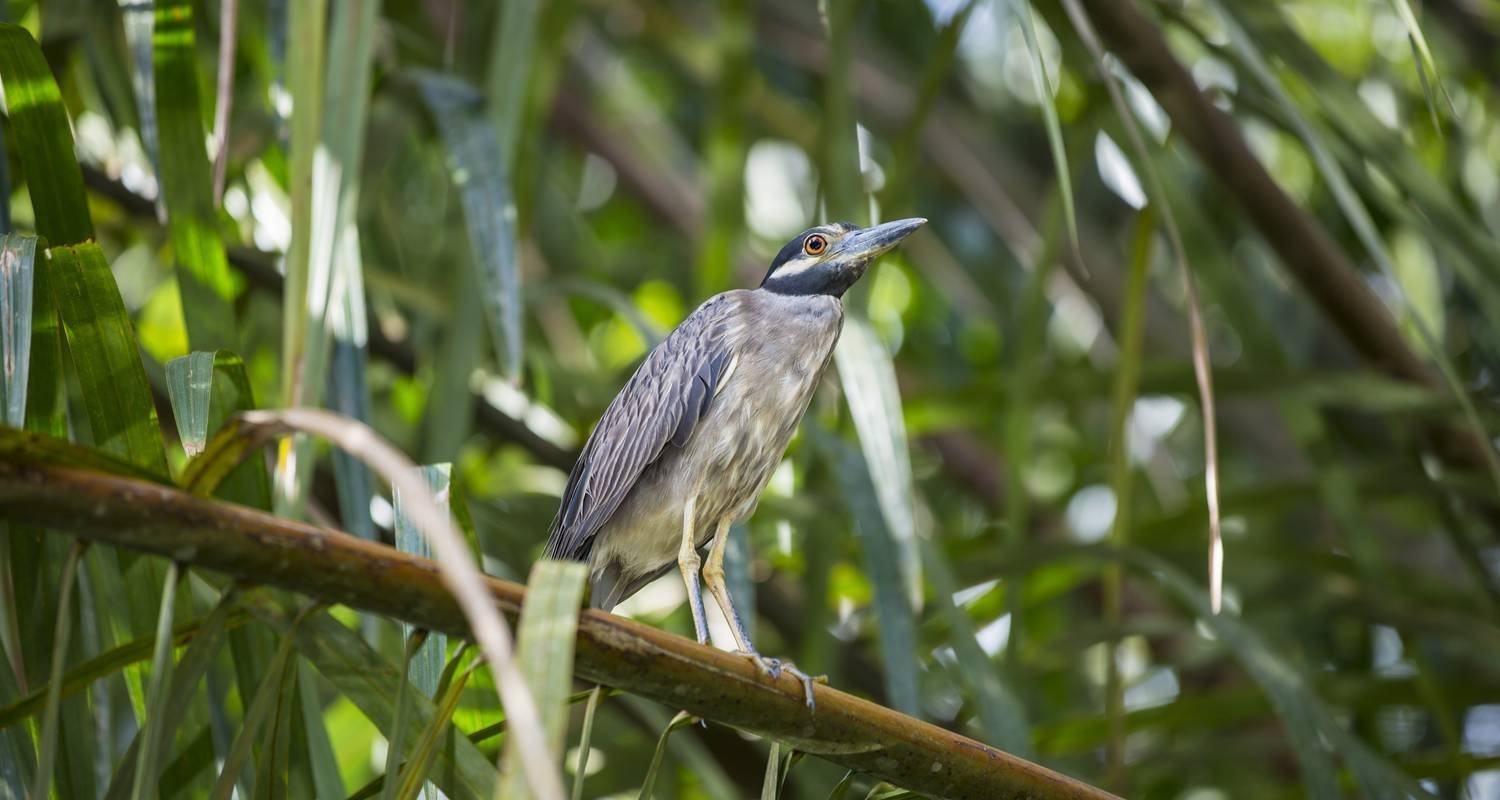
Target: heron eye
[815, 244]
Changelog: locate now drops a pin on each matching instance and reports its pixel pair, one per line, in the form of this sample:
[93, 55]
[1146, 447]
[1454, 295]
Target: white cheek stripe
[797, 267]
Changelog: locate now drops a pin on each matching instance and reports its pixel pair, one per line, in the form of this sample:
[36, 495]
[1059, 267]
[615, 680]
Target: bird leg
[688, 561]
[713, 575]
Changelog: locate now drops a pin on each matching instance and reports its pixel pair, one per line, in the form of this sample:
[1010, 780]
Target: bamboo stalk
[339, 568]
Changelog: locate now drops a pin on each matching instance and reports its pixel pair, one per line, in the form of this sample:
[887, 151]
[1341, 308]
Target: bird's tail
[606, 589]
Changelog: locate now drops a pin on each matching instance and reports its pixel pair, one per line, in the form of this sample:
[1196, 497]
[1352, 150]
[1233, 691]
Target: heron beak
[872, 242]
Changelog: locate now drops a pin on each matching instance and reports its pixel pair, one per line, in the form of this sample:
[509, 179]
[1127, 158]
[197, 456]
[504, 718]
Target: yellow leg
[713, 575]
[688, 562]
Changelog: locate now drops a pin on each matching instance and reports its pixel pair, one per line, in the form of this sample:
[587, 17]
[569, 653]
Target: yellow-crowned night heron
[687, 446]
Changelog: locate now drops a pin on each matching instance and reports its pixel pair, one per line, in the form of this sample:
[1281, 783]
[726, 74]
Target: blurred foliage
[476, 255]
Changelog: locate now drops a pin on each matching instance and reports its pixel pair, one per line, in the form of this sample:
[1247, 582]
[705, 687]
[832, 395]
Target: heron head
[828, 259]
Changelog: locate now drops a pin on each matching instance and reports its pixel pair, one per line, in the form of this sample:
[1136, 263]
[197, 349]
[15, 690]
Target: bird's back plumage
[708, 413]
[661, 404]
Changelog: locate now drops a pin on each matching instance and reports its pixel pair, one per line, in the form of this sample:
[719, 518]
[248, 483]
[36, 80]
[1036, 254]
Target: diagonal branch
[339, 568]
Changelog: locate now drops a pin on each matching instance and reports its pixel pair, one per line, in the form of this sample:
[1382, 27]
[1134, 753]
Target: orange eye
[815, 244]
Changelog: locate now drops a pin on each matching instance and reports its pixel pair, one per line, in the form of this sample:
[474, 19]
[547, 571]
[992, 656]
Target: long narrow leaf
[414, 777]
[101, 342]
[370, 682]
[881, 558]
[478, 157]
[549, 620]
[868, 377]
[1041, 82]
[1002, 715]
[585, 738]
[425, 667]
[206, 390]
[48, 741]
[396, 744]
[261, 707]
[112, 661]
[158, 696]
[771, 785]
[648, 785]
[190, 387]
[17, 755]
[44, 144]
[17, 280]
[139, 23]
[1131, 337]
[44, 140]
[336, 244]
[187, 183]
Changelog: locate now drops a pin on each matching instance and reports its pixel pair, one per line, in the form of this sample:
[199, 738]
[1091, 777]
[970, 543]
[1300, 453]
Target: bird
[686, 447]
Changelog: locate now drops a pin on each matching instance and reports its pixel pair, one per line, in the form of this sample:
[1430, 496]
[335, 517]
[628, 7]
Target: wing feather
[662, 402]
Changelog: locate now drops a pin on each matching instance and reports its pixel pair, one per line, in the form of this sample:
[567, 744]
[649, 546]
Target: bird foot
[775, 666]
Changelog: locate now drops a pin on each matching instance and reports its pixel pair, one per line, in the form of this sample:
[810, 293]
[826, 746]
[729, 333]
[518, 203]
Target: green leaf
[1131, 338]
[841, 789]
[223, 454]
[17, 757]
[450, 691]
[544, 652]
[44, 146]
[138, 21]
[478, 160]
[585, 737]
[1042, 83]
[187, 183]
[17, 277]
[304, 65]
[425, 668]
[48, 739]
[396, 745]
[843, 182]
[868, 377]
[261, 707]
[336, 241]
[1425, 62]
[190, 381]
[1002, 715]
[44, 140]
[770, 787]
[101, 342]
[206, 390]
[898, 647]
[115, 659]
[158, 696]
[370, 682]
[509, 67]
[648, 786]
[315, 748]
[169, 709]
[1310, 724]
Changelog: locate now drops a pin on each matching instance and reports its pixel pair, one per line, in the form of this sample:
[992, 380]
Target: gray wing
[662, 403]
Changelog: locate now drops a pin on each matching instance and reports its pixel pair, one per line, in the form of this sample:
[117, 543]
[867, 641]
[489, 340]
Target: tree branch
[669, 669]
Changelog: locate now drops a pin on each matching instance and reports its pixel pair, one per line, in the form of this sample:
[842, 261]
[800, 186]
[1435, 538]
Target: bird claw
[775, 666]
